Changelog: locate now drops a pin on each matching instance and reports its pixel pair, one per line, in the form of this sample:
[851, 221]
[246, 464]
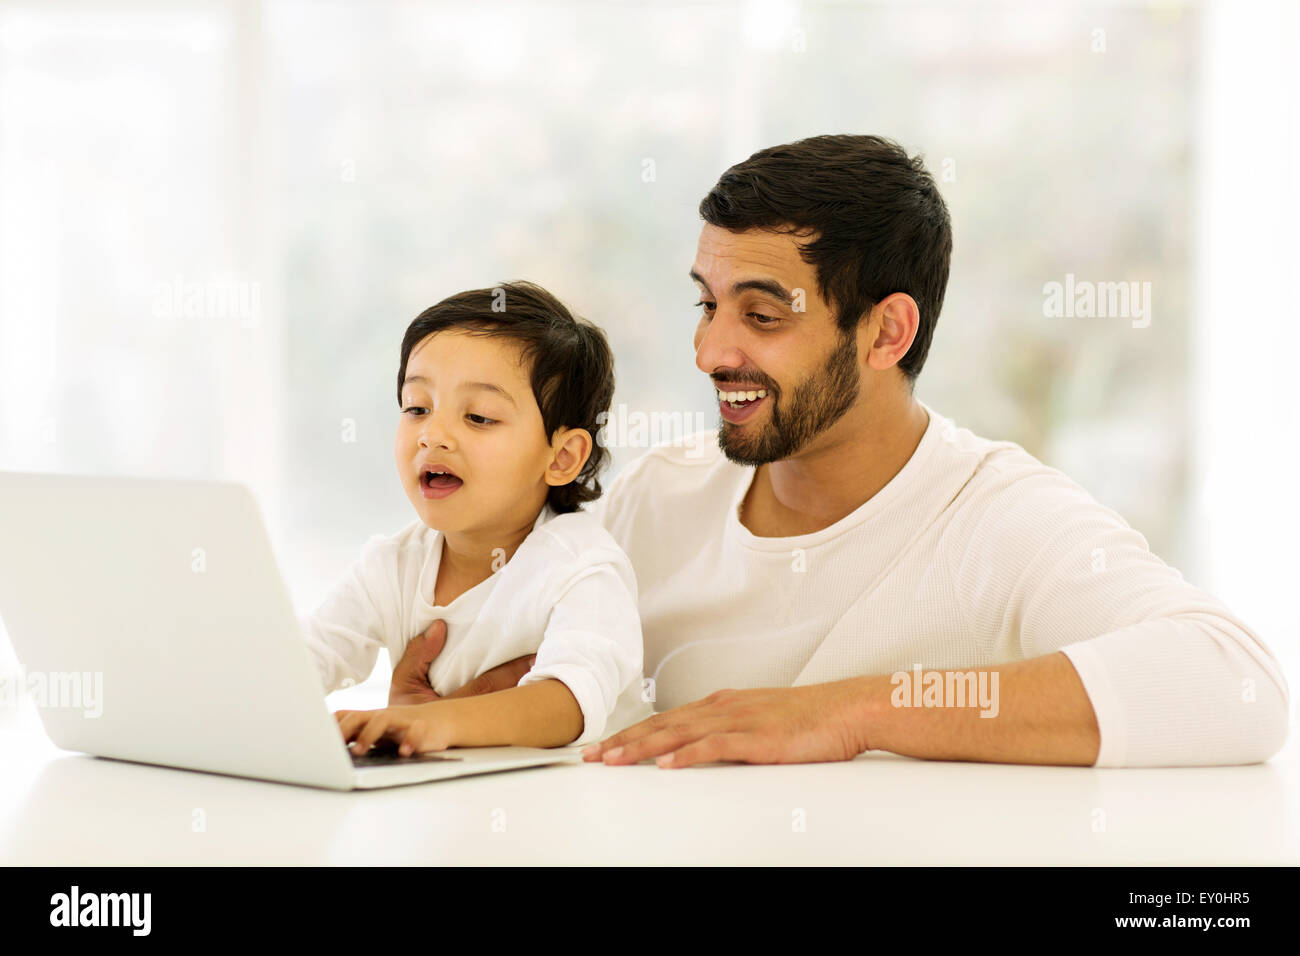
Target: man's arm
[1173, 676]
[1043, 717]
[410, 681]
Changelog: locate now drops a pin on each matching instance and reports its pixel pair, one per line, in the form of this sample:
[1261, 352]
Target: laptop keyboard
[387, 758]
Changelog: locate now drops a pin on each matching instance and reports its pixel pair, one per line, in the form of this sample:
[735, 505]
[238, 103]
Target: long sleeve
[592, 643]
[1174, 678]
[345, 633]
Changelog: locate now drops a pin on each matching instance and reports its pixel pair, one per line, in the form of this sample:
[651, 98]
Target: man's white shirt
[975, 554]
[568, 594]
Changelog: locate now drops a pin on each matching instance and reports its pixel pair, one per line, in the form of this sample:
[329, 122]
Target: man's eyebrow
[482, 386]
[770, 286]
[700, 279]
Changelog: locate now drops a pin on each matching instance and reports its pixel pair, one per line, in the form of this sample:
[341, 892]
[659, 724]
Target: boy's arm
[540, 714]
[593, 640]
[591, 651]
[344, 634]
[410, 682]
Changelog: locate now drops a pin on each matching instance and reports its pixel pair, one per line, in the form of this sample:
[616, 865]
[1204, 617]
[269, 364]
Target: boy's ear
[571, 448]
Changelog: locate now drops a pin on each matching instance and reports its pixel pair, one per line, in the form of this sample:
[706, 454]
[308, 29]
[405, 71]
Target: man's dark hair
[571, 365]
[881, 226]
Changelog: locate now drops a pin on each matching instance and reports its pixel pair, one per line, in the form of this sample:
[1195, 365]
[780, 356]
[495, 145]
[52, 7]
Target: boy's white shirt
[568, 594]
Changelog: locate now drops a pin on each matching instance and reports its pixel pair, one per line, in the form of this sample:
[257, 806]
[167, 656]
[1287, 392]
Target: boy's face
[468, 409]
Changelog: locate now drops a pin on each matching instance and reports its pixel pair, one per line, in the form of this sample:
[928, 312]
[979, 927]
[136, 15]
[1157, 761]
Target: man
[849, 571]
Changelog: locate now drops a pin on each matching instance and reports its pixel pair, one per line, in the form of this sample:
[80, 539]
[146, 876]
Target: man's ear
[570, 449]
[882, 343]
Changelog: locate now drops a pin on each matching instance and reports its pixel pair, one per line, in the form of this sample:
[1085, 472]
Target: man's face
[468, 409]
[752, 338]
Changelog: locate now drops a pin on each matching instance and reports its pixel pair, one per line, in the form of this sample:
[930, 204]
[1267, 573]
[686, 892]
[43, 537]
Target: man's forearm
[541, 714]
[1043, 717]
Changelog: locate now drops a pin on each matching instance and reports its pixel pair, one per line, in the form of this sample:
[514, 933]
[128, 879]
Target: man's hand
[410, 684]
[766, 725]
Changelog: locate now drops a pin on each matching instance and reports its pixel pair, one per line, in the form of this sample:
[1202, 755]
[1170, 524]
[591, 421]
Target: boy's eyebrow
[770, 286]
[487, 386]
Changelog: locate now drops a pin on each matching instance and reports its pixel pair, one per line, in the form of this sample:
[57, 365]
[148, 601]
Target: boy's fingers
[413, 739]
[350, 723]
[373, 730]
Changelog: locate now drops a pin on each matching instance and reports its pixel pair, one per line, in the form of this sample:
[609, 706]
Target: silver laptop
[152, 625]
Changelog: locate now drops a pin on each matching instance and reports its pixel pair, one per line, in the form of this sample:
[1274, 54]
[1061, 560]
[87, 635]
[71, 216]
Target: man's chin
[740, 451]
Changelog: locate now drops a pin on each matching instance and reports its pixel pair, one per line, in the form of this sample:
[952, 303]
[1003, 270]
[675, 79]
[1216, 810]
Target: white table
[66, 809]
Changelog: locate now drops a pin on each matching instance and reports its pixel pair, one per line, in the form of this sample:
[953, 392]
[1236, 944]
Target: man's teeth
[741, 396]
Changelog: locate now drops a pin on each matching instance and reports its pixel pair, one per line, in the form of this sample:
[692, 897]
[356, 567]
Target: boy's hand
[415, 728]
[410, 684]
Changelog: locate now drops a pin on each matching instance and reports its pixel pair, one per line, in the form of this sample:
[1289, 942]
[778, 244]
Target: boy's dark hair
[881, 225]
[572, 367]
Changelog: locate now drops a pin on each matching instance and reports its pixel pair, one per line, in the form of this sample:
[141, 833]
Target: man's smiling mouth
[741, 397]
[739, 405]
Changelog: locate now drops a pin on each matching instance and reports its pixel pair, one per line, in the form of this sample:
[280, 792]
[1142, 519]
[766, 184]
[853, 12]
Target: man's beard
[815, 405]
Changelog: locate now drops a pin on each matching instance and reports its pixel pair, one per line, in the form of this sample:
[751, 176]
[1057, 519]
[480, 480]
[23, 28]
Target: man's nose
[717, 344]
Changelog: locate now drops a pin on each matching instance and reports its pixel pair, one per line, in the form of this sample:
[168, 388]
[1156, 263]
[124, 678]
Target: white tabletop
[58, 808]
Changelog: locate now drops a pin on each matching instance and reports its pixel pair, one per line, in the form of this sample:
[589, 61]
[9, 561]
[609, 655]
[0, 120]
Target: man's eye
[708, 306]
[414, 409]
[480, 420]
[763, 319]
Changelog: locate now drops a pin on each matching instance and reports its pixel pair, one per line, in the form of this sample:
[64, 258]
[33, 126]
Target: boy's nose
[434, 433]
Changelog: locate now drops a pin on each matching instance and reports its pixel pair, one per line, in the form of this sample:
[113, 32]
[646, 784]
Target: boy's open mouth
[438, 482]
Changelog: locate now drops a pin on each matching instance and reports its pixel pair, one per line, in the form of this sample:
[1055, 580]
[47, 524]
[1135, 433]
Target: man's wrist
[863, 700]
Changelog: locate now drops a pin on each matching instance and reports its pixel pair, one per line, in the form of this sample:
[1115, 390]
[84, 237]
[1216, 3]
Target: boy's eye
[476, 419]
[708, 306]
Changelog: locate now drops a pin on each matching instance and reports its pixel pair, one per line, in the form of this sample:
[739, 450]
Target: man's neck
[840, 472]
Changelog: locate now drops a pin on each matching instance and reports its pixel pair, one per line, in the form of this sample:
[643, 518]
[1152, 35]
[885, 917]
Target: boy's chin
[440, 516]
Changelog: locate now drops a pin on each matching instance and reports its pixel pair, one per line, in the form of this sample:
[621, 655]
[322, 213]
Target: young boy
[501, 394]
